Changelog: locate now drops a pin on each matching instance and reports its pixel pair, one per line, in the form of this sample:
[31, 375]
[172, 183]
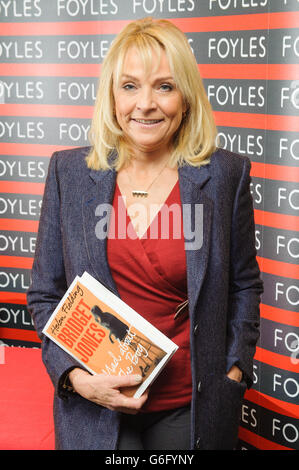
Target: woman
[153, 150]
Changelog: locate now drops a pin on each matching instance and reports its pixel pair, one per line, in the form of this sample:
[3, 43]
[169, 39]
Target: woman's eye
[128, 86]
[166, 87]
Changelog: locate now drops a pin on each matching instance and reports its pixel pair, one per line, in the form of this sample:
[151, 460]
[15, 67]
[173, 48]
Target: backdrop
[51, 54]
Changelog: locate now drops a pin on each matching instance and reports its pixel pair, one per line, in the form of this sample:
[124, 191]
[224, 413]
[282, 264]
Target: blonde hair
[194, 141]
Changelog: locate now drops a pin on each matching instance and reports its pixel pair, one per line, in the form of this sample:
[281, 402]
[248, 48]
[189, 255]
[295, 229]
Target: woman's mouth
[147, 122]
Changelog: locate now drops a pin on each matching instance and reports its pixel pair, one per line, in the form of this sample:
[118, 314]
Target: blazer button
[197, 445]
[199, 386]
[195, 331]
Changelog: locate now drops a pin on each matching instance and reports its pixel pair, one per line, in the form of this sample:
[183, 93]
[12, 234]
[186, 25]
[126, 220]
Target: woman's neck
[147, 162]
[147, 159]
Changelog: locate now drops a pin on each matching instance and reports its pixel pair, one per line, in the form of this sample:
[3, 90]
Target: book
[106, 336]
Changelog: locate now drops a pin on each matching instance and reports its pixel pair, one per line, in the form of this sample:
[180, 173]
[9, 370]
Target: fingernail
[137, 378]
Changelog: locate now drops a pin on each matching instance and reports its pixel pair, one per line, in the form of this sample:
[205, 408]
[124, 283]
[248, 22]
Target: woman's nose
[145, 99]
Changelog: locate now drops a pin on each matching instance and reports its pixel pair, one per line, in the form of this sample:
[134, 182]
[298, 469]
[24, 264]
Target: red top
[150, 275]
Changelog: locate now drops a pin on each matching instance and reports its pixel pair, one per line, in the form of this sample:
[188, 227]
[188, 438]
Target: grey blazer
[224, 289]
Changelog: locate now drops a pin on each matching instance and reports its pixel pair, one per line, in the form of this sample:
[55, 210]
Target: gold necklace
[144, 193]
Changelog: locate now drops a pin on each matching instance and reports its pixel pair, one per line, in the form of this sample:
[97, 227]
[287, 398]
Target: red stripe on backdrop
[20, 262]
[187, 25]
[20, 187]
[275, 172]
[258, 441]
[257, 121]
[51, 70]
[287, 20]
[250, 71]
[32, 150]
[19, 225]
[266, 266]
[278, 268]
[275, 220]
[223, 71]
[252, 21]
[60, 28]
[222, 118]
[46, 110]
[13, 298]
[273, 404]
[270, 219]
[21, 335]
[279, 315]
[261, 121]
[276, 360]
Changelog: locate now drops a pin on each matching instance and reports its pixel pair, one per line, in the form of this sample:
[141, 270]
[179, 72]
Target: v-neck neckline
[155, 216]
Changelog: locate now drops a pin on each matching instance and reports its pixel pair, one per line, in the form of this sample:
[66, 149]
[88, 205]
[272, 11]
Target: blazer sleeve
[245, 287]
[48, 282]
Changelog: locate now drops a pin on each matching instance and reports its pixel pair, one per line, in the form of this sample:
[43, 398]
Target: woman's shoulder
[69, 164]
[71, 157]
[223, 158]
[224, 163]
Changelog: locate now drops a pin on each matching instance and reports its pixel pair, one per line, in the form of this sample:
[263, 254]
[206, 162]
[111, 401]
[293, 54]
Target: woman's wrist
[74, 374]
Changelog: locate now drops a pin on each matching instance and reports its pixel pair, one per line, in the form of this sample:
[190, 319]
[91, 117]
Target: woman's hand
[104, 390]
[235, 373]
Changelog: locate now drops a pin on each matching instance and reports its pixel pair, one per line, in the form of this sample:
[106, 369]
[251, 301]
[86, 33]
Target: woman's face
[148, 106]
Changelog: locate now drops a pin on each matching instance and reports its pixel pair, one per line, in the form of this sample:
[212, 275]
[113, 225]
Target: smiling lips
[147, 121]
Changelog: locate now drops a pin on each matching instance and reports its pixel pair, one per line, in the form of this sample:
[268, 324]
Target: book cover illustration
[104, 341]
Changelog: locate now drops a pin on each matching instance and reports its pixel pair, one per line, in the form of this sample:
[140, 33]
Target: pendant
[137, 193]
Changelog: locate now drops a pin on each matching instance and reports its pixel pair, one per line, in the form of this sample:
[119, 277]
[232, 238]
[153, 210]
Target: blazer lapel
[197, 217]
[96, 207]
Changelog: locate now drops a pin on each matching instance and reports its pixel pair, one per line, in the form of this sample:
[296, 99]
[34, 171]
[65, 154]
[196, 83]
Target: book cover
[106, 336]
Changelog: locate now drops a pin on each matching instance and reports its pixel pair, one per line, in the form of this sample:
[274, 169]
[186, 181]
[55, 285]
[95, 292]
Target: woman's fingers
[119, 381]
[105, 390]
[114, 398]
[131, 405]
